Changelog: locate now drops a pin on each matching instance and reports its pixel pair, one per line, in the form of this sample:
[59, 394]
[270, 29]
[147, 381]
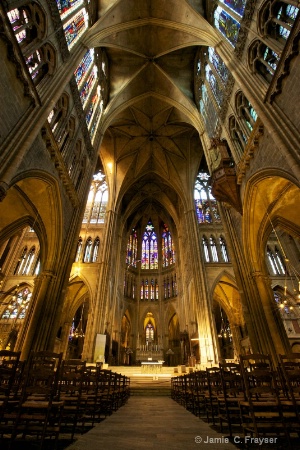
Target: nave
[150, 423]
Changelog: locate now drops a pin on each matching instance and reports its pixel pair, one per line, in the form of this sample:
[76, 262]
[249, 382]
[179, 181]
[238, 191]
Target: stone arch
[35, 199]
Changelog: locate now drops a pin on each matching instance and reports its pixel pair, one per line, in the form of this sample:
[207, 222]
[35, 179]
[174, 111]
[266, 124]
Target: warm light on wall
[110, 167]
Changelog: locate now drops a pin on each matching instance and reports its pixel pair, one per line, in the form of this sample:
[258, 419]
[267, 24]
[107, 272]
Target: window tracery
[131, 256]
[168, 254]
[97, 200]
[237, 136]
[245, 112]
[206, 205]
[18, 304]
[88, 250]
[149, 258]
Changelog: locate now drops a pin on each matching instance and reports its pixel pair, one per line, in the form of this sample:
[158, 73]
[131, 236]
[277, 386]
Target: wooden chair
[39, 411]
[215, 390]
[200, 393]
[290, 371]
[9, 362]
[261, 412]
[70, 388]
[233, 393]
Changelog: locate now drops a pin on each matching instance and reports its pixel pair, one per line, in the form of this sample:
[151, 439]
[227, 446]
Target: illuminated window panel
[66, 7]
[218, 64]
[75, 27]
[88, 86]
[237, 6]
[84, 66]
[227, 25]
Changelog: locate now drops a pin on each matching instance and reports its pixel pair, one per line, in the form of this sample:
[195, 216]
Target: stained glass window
[149, 248]
[29, 261]
[131, 257]
[88, 86]
[95, 250]
[92, 107]
[215, 87]
[218, 64]
[75, 27]
[65, 7]
[271, 59]
[78, 251]
[237, 6]
[21, 262]
[213, 249]
[20, 22]
[84, 66]
[149, 332]
[18, 305]
[206, 205]
[97, 115]
[34, 63]
[88, 250]
[227, 25]
[205, 249]
[285, 18]
[223, 249]
[208, 112]
[168, 254]
[97, 200]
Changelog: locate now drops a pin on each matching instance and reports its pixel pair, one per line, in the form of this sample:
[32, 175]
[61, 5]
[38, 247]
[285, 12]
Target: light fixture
[225, 331]
[78, 332]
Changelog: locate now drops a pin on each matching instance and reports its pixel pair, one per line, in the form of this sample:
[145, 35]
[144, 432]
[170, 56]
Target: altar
[152, 367]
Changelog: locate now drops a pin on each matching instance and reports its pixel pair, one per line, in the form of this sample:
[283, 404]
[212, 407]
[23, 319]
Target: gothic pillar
[271, 331]
[207, 335]
[37, 327]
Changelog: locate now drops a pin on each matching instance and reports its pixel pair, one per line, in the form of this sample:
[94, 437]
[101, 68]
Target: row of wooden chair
[251, 396]
[48, 394]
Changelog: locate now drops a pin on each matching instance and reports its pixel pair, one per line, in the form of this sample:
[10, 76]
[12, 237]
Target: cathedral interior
[149, 179]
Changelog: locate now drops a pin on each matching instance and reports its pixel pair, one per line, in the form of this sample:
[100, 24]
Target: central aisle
[150, 423]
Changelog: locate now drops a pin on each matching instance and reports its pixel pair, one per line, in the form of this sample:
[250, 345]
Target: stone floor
[151, 423]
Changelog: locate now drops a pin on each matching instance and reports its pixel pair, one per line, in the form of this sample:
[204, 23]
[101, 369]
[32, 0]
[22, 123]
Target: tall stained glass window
[208, 112]
[206, 205]
[227, 25]
[84, 66]
[97, 200]
[65, 7]
[75, 27]
[88, 86]
[238, 6]
[218, 64]
[168, 254]
[214, 84]
[131, 256]
[149, 248]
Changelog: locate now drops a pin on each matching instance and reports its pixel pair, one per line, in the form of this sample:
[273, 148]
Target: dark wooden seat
[39, 410]
[261, 412]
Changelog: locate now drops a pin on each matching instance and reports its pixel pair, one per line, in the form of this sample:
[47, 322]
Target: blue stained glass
[218, 64]
[227, 25]
[84, 65]
[75, 27]
[237, 6]
[87, 86]
[272, 59]
[65, 5]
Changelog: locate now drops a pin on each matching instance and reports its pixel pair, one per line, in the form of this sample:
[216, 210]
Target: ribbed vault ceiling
[151, 124]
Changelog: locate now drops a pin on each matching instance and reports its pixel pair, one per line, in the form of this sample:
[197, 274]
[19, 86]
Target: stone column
[207, 335]
[36, 330]
[271, 331]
